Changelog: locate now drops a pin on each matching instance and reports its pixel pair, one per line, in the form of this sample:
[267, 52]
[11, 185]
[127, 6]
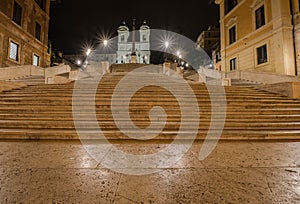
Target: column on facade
[222, 34]
[283, 37]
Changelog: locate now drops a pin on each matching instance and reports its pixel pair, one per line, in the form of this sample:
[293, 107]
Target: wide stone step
[69, 117]
[155, 125]
[112, 135]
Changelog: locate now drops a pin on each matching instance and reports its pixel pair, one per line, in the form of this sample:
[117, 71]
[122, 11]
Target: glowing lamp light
[78, 62]
[88, 52]
[105, 43]
[167, 44]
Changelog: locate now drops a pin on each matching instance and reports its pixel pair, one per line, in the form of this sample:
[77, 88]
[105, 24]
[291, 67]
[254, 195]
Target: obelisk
[133, 53]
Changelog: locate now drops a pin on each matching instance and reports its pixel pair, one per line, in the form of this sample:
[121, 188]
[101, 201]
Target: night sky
[75, 23]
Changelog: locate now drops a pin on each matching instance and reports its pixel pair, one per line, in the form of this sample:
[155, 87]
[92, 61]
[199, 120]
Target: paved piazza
[236, 172]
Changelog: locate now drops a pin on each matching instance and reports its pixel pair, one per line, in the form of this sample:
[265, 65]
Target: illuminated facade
[140, 44]
[260, 35]
[24, 26]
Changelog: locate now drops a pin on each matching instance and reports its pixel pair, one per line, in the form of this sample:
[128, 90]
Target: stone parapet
[260, 77]
[20, 71]
[289, 89]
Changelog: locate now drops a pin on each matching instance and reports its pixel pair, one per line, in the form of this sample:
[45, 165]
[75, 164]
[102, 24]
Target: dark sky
[78, 22]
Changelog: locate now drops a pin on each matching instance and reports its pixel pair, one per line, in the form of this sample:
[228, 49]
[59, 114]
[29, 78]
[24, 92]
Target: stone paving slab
[236, 172]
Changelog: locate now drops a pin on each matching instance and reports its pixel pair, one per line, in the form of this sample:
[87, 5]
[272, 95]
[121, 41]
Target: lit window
[233, 64]
[260, 17]
[14, 51]
[17, 14]
[38, 31]
[262, 54]
[36, 60]
[232, 35]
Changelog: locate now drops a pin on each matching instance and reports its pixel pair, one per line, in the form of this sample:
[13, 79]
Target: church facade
[133, 43]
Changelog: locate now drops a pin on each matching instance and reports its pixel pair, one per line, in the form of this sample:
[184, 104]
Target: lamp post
[166, 45]
[105, 43]
[88, 52]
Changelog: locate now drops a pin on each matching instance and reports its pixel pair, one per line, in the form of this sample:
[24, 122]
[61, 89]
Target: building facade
[24, 26]
[260, 35]
[138, 44]
[209, 38]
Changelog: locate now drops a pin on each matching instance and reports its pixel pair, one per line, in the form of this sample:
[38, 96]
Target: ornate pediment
[231, 22]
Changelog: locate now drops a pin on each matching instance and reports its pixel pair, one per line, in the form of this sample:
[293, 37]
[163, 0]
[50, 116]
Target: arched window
[122, 38]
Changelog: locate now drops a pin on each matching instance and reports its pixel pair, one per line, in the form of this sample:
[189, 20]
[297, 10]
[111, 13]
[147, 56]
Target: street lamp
[78, 62]
[167, 44]
[105, 43]
[88, 52]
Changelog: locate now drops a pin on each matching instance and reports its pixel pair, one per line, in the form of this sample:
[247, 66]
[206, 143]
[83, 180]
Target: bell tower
[145, 43]
[123, 35]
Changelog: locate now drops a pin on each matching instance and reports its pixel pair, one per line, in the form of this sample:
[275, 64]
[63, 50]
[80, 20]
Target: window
[122, 38]
[260, 17]
[229, 5]
[41, 3]
[13, 51]
[232, 35]
[36, 60]
[144, 38]
[17, 14]
[37, 31]
[233, 64]
[262, 54]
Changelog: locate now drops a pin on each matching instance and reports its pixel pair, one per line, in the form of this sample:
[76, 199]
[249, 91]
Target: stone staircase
[45, 112]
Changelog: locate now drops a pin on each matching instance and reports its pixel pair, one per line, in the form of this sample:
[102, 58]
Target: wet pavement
[235, 172]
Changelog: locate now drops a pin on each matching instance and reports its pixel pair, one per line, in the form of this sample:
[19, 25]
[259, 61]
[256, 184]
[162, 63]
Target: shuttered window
[14, 51]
